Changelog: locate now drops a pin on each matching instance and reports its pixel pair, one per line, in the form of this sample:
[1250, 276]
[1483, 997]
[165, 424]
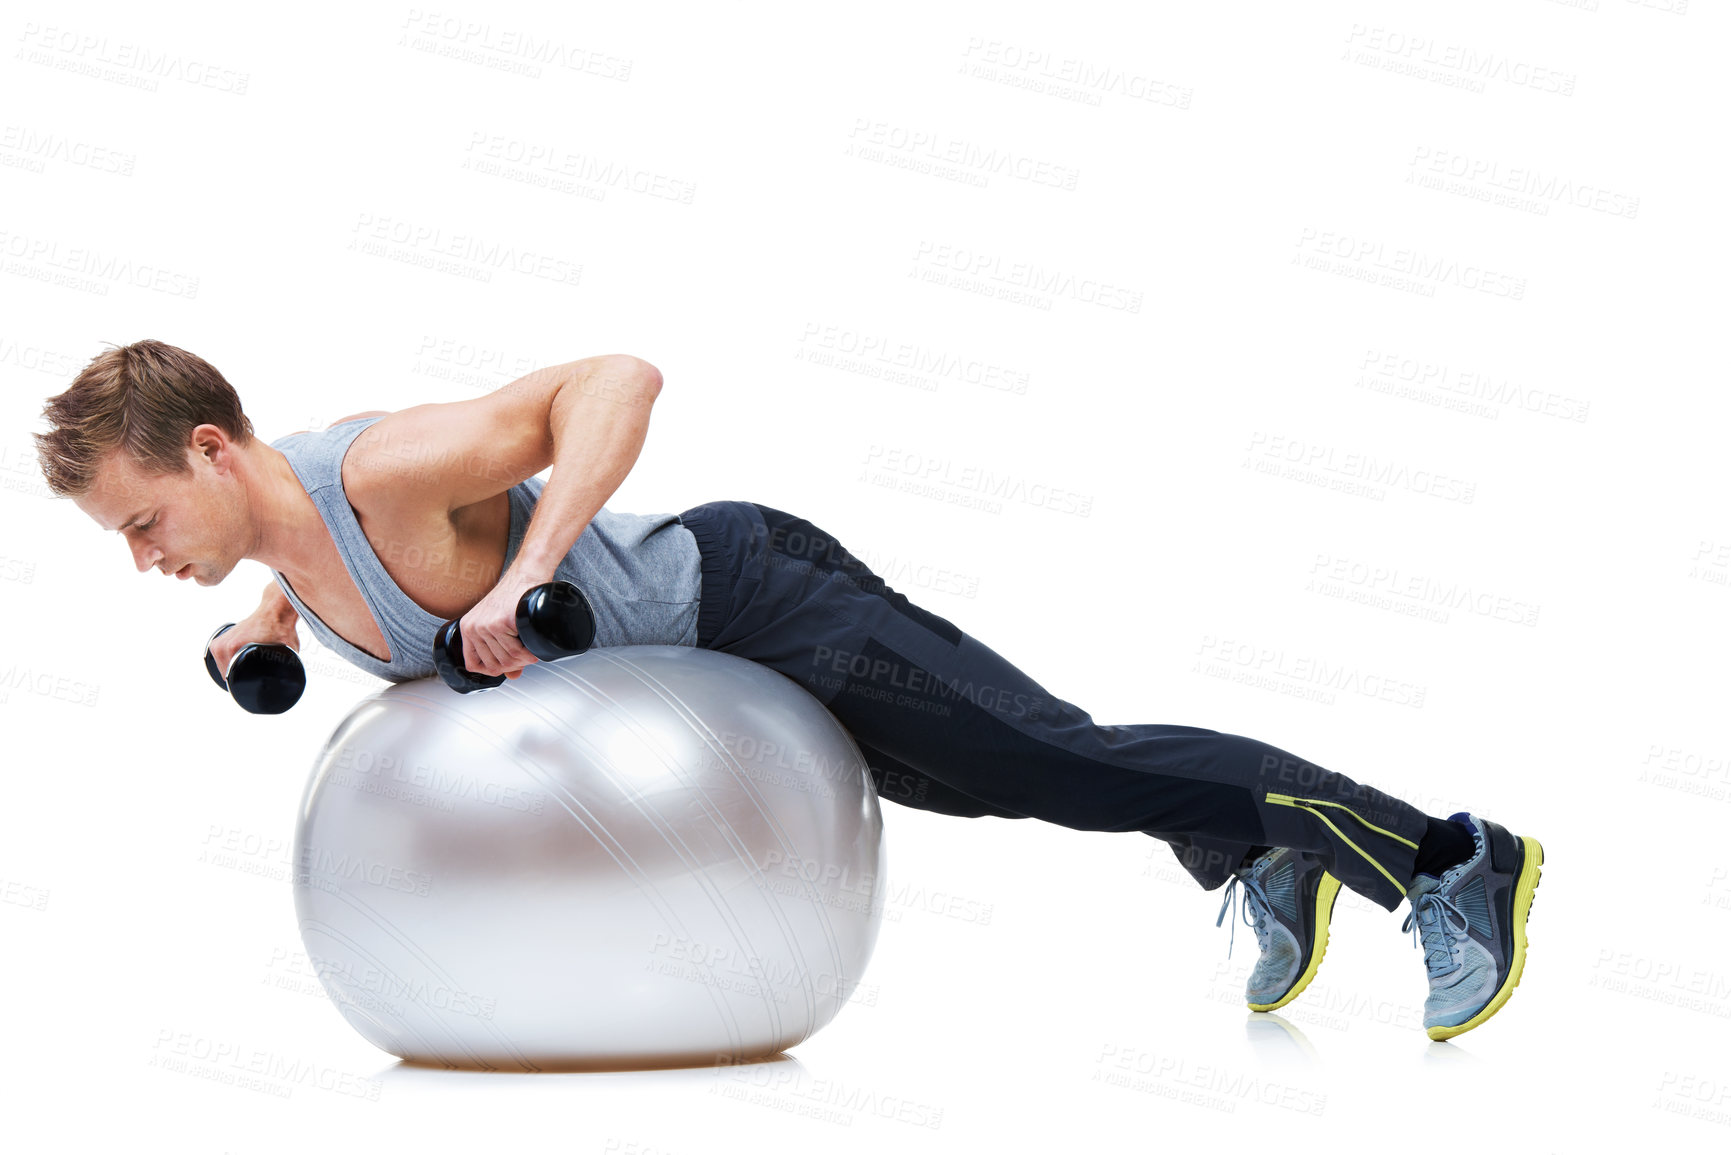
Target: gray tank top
[640, 572]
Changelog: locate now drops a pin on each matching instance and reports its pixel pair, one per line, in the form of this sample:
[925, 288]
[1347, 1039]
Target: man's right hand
[265, 625]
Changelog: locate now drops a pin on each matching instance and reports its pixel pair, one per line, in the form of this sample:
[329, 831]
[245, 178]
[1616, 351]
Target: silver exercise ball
[639, 856]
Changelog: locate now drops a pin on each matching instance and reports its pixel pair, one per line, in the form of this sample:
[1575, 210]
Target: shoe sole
[1326, 892]
[1532, 860]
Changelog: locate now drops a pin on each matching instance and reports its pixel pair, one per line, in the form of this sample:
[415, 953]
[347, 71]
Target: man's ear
[211, 442]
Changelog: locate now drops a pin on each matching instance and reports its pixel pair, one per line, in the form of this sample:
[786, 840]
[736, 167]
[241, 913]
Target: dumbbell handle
[263, 677]
[554, 620]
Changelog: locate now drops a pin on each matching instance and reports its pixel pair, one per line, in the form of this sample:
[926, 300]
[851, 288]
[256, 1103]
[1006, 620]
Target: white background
[1366, 396]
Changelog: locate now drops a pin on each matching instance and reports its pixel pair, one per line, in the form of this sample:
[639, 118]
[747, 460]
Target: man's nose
[145, 555]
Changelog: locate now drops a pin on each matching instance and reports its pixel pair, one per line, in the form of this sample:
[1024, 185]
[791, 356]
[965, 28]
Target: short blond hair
[145, 398]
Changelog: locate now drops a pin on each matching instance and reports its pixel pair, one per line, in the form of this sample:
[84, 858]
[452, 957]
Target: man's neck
[291, 535]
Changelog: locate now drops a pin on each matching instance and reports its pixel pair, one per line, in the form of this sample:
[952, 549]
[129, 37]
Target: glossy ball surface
[638, 856]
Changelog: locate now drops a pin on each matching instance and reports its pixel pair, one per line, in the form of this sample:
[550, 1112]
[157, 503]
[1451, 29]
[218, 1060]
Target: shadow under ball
[637, 856]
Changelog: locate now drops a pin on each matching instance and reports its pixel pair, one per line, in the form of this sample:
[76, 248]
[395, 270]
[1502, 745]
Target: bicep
[450, 454]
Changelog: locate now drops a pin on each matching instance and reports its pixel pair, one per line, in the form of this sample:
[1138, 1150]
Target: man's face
[191, 524]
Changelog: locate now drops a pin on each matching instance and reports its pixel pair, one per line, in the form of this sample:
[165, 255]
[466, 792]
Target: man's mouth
[184, 571]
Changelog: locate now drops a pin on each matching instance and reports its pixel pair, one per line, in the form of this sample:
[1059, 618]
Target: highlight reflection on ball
[637, 856]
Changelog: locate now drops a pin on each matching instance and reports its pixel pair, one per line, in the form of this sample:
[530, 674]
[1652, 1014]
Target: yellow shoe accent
[1326, 892]
[1529, 882]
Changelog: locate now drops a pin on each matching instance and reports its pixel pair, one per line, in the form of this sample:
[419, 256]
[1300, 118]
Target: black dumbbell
[265, 678]
[554, 621]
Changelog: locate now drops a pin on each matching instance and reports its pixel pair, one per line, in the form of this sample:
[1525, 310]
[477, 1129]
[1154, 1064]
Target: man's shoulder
[384, 471]
[450, 455]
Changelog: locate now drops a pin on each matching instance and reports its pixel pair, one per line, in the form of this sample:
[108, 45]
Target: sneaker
[1473, 922]
[1291, 897]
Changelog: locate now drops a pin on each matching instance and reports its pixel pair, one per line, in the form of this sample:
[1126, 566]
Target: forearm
[275, 604]
[600, 420]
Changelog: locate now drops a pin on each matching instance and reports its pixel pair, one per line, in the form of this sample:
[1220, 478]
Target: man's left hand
[489, 630]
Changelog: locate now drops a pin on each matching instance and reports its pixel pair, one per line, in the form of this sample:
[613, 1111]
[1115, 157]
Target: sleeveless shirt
[640, 572]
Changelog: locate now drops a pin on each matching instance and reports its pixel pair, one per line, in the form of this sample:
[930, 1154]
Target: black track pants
[948, 725]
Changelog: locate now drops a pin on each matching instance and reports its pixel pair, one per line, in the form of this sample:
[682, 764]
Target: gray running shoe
[1473, 922]
[1291, 898]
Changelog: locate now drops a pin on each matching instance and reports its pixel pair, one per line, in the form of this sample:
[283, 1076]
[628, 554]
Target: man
[384, 525]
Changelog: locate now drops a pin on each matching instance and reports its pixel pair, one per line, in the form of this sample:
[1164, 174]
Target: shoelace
[1431, 912]
[1255, 899]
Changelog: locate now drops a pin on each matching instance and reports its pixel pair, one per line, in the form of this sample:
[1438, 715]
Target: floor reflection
[1278, 1042]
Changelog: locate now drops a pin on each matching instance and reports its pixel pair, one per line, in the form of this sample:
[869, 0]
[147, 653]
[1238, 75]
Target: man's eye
[148, 524]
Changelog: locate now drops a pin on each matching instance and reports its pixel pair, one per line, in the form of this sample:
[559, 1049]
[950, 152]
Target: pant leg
[918, 690]
[1210, 861]
[896, 781]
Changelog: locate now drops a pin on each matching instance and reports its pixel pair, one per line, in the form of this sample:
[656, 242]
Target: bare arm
[600, 420]
[275, 604]
[586, 419]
